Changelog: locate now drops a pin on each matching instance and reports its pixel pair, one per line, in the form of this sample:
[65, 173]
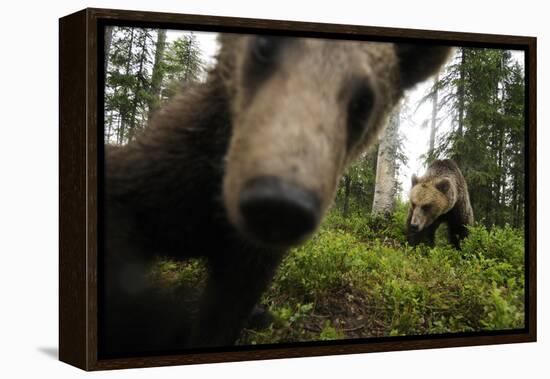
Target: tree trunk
[108, 40]
[461, 96]
[124, 112]
[433, 127]
[120, 131]
[386, 181]
[500, 131]
[347, 190]
[515, 205]
[139, 85]
[157, 75]
[500, 198]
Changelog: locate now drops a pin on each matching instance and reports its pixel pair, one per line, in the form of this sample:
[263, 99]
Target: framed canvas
[239, 189]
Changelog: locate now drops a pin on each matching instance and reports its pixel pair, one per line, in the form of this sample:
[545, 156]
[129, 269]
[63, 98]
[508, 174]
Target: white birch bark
[433, 128]
[386, 180]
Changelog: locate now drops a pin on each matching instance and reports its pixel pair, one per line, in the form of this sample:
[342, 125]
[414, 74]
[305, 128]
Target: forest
[358, 277]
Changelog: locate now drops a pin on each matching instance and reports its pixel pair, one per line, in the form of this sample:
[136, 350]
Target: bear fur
[225, 169]
[440, 196]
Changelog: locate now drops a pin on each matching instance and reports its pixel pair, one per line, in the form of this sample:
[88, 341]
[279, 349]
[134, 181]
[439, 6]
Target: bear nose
[414, 227]
[278, 213]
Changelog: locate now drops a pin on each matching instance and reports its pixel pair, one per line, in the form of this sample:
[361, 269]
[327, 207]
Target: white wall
[28, 187]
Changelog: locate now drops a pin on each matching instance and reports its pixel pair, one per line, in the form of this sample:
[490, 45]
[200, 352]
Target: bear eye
[264, 48]
[426, 207]
[359, 108]
[261, 60]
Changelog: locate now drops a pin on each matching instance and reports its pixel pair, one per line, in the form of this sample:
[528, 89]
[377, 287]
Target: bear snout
[278, 213]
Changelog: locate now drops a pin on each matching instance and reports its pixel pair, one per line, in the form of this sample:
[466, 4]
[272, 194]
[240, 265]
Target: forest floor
[358, 278]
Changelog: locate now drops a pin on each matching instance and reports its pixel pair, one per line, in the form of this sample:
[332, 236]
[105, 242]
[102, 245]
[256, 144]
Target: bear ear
[443, 185]
[419, 62]
[414, 180]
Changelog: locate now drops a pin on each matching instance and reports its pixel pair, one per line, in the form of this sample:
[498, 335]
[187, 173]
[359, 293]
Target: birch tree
[433, 126]
[386, 167]
[107, 47]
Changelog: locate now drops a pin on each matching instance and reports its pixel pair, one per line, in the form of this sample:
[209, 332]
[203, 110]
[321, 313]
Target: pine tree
[158, 74]
[142, 72]
[484, 89]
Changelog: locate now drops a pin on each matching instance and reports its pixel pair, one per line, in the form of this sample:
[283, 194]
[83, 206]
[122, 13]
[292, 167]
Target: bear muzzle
[278, 213]
[418, 222]
[414, 227]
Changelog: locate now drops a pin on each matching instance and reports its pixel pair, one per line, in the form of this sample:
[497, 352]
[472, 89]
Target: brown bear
[441, 195]
[236, 170]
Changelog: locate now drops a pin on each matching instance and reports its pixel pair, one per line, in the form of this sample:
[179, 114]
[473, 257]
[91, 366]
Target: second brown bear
[440, 195]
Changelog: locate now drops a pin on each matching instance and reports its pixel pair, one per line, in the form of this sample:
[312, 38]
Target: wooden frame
[80, 43]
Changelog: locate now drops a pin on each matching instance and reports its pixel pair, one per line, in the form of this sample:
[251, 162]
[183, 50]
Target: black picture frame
[80, 164]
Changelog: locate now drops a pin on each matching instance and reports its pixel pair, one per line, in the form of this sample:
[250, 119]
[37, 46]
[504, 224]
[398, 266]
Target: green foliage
[356, 190]
[330, 333]
[137, 79]
[290, 324]
[357, 277]
[319, 267]
[182, 63]
[127, 82]
[484, 91]
[505, 244]
[358, 280]
[367, 227]
[172, 275]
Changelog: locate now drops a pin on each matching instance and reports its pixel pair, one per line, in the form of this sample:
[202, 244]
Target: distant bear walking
[237, 170]
[441, 195]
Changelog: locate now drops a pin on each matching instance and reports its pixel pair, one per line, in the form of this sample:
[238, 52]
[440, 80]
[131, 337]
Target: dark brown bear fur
[441, 195]
[283, 116]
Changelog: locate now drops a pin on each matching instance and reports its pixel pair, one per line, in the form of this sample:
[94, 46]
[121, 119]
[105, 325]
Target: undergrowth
[357, 277]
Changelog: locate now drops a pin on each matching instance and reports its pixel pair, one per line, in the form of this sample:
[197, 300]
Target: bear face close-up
[302, 110]
[235, 171]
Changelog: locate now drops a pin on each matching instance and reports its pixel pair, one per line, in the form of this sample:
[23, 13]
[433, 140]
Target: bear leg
[146, 322]
[135, 316]
[426, 236]
[430, 235]
[457, 234]
[234, 287]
